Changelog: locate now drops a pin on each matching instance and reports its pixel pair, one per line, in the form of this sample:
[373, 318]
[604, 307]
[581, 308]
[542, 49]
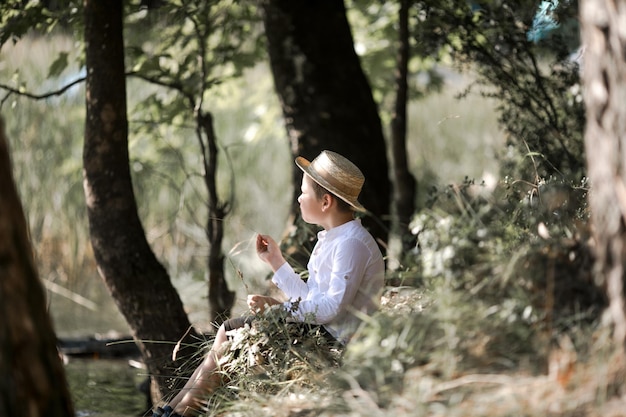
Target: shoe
[164, 412]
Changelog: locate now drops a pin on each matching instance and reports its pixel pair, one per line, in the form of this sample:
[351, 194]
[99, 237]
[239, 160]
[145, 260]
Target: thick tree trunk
[326, 99]
[137, 281]
[32, 382]
[604, 78]
[404, 184]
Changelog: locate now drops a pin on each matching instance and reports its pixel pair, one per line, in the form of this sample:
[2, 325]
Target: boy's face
[310, 205]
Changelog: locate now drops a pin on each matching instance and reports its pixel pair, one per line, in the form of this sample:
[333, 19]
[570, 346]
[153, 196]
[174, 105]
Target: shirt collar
[335, 231]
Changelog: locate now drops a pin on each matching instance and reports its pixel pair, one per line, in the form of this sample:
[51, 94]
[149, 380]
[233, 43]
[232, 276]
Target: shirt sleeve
[290, 282]
[349, 260]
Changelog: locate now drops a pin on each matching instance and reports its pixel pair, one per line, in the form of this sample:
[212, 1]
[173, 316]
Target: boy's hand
[269, 252]
[263, 245]
[258, 303]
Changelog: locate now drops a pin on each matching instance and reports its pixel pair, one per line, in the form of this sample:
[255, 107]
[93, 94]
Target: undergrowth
[502, 318]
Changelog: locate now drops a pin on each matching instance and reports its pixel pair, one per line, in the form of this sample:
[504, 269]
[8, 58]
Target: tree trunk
[137, 281]
[326, 99]
[604, 78]
[404, 184]
[221, 299]
[33, 382]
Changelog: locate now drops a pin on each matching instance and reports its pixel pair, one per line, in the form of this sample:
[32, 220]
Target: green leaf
[58, 66]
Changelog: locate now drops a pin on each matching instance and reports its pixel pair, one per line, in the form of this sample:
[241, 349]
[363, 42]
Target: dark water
[105, 388]
[99, 387]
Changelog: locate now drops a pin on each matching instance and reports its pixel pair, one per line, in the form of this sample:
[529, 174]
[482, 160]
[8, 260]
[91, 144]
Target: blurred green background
[448, 140]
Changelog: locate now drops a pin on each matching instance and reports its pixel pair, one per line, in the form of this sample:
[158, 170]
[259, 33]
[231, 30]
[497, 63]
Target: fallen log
[97, 347]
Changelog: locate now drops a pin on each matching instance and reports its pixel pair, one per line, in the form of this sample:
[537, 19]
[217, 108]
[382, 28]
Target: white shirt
[346, 275]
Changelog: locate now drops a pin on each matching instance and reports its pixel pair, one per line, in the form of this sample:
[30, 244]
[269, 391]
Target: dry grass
[573, 383]
[570, 388]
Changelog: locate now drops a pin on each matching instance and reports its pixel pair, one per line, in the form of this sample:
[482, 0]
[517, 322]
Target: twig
[64, 292]
[240, 275]
[177, 347]
[472, 379]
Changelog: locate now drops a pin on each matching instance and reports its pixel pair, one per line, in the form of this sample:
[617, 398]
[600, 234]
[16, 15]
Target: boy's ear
[327, 200]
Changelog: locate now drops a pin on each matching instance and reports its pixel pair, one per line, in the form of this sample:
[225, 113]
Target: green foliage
[58, 66]
[18, 18]
[375, 27]
[536, 85]
[482, 242]
[389, 345]
[191, 46]
[185, 50]
[521, 240]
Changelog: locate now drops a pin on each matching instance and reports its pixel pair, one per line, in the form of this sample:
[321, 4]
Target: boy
[346, 272]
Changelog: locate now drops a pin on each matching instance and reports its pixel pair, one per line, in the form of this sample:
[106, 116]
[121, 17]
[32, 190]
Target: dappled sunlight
[491, 305]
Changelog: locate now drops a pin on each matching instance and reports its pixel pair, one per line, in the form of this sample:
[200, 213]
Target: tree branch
[43, 96]
[153, 80]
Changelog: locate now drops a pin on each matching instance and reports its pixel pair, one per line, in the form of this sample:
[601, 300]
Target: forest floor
[398, 366]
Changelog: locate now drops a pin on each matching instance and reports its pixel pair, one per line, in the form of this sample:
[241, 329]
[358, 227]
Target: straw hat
[336, 174]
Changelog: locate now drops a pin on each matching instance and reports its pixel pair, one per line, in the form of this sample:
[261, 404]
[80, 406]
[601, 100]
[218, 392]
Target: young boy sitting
[346, 273]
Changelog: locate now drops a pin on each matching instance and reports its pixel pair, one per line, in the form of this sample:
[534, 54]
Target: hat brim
[305, 166]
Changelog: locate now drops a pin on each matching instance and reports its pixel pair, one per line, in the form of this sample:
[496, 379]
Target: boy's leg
[192, 397]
